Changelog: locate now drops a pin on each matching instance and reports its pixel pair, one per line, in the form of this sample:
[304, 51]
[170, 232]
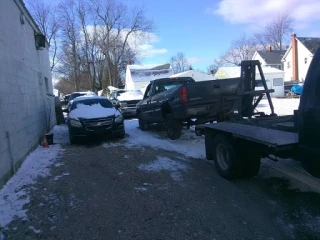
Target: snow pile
[14, 195]
[282, 106]
[131, 95]
[91, 111]
[60, 134]
[189, 144]
[166, 164]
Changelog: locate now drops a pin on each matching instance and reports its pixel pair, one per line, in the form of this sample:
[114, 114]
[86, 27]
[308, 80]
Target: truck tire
[174, 127]
[311, 165]
[227, 159]
[208, 145]
[251, 160]
[142, 124]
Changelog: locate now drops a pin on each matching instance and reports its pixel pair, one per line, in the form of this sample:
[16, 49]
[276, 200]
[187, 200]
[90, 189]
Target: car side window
[148, 91]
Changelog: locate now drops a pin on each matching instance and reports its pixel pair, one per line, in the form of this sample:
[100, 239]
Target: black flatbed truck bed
[276, 139]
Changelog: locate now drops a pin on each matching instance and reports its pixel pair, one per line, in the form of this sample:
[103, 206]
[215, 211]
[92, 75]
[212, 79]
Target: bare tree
[241, 49]
[119, 25]
[180, 63]
[71, 42]
[44, 16]
[276, 32]
[213, 68]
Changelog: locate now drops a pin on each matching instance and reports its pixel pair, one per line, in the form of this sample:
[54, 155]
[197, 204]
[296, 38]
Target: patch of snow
[141, 189]
[35, 230]
[282, 106]
[56, 178]
[14, 195]
[66, 174]
[91, 111]
[59, 164]
[189, 144]
[60, 134]
[164, 163]
[131, 95]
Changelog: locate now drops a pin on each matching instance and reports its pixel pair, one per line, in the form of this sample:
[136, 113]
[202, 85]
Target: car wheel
[174, 127]
[226, 157]
[142, 124]
[121, 135]
[72, 139]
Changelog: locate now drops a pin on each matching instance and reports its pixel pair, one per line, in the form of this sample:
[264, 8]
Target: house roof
[196, 75]
[272, 57]
[234, 72]
[143, 73]
[312, 44]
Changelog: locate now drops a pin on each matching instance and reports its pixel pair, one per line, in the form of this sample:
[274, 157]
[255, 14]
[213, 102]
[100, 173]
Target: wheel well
[165, 109]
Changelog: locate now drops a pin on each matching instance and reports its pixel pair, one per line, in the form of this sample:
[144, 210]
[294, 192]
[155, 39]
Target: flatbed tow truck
[237, 145]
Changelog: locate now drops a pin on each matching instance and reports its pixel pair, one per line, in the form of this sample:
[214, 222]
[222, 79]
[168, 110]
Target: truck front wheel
[174, 127]
[227, 159]
[142, 124]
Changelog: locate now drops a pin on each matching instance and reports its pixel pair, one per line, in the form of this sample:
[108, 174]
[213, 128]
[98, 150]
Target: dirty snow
[131, 95]
[189, 144]
[282, 106]
[165, 164]
[91, 111]
[15, 194]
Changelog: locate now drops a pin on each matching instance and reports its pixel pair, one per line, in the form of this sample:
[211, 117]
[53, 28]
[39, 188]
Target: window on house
[277, 82]
[47, 84]
[288, 65]
[305, 60]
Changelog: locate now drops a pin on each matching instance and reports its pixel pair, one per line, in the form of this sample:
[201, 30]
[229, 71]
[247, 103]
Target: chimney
[269, 48]
[294, 57]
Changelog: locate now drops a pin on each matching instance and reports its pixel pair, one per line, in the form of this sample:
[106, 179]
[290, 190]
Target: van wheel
[174, 127]
[142, 124]
[226, 156]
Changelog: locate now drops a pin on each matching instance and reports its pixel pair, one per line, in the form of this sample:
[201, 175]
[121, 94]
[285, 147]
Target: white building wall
[25, 108]
[286, 68]
[303, 67]
[257, 56]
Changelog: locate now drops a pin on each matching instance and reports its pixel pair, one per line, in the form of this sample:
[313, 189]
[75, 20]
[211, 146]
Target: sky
[204, 29]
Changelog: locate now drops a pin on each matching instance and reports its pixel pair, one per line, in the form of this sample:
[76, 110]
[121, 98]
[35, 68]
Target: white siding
[25, 108]
[257, 56]
[303, 67]
[303, 53]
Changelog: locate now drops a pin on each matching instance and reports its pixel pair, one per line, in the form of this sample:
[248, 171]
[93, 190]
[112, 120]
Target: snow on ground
[189, 144]
[166, 164]
[282, 106]
[15, 194]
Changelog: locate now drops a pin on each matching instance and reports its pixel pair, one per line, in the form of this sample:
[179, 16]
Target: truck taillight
[183, 94]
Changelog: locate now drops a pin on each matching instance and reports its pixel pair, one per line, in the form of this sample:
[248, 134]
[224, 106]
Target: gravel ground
[112, 191]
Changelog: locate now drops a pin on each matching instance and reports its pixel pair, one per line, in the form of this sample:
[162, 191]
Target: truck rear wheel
[311, 165]
[251, 160]
[227, 159]
[174, 127]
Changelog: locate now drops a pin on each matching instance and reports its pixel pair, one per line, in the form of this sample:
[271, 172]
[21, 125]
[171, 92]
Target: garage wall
[26, 107]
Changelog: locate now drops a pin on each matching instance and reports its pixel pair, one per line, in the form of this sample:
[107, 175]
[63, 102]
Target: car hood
[93, 111]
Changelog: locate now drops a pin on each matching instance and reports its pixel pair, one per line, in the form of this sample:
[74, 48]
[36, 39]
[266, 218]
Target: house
[27, 108]
[196, 75]
[297, 58]
[274, 78]
[139, 76]
[270, 58]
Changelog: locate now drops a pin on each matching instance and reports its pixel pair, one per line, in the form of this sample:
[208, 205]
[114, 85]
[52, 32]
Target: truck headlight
[118, 119]
[75, 123]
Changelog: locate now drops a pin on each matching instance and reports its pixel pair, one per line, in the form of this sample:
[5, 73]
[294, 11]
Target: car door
[144, 107]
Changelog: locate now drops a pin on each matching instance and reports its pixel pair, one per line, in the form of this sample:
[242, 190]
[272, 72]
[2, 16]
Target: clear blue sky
[204, 29]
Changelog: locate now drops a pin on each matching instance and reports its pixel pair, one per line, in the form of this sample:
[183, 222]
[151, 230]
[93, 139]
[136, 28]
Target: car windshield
[74, 95]
[105, 103]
